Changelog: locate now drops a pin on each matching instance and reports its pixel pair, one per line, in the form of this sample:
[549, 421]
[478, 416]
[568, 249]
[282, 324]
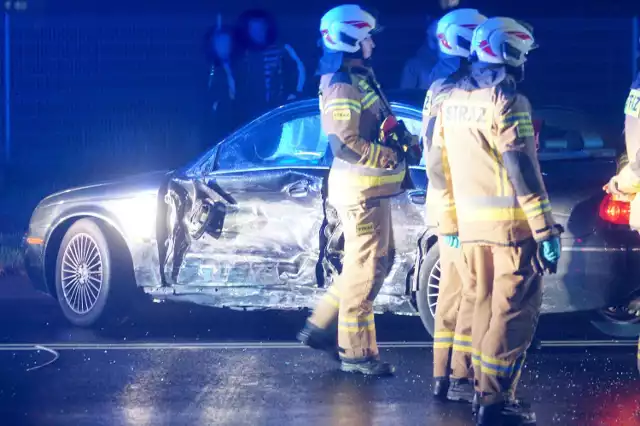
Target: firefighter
[626, 184]
[483, 164]
[454, 312]
[366, 172]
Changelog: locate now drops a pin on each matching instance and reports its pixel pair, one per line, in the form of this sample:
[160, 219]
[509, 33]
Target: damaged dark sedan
[247, 226]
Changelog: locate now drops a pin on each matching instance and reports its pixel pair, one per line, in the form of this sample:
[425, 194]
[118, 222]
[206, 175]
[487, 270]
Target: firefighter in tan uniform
[452, 369]
[366, 172]
[494, 202]
[626, 184]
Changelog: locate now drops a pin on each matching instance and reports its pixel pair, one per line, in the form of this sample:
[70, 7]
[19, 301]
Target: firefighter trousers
[454, 316]
[368, 258]
[508, 300]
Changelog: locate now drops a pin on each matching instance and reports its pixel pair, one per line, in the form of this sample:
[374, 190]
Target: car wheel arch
[425, 243]
[59, 230]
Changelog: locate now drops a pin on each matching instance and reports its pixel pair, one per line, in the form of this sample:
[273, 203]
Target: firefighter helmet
[503, 41]
[344, 27]
[455, 31]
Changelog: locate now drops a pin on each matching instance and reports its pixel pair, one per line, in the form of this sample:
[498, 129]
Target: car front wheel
[85, 283]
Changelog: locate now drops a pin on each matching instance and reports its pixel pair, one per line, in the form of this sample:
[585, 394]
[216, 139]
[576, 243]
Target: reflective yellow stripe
[489, 370]
[462, 338]
[475, 358]
[368, 103]
[492, 214]
[345, 108]
[496, 361]
[342, 103]
[496, 367]
[374, 154]
[538, 208]
[521, 121]
[443, 339]
[462, 348]
[350, 179]
[511, 119]
[524, 131]
[462, 343]
[331, 298]
[353, 323]
[364, 85]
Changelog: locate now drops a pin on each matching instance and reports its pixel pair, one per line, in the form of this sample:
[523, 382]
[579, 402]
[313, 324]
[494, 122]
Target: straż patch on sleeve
[343, 114]
[364, 228]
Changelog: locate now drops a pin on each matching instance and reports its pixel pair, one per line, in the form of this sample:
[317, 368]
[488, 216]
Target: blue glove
[551, 250]
[452, 241]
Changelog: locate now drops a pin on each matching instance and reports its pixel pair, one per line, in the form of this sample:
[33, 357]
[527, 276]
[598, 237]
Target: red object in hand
[615, 211]
[537, 127]
[388, 127]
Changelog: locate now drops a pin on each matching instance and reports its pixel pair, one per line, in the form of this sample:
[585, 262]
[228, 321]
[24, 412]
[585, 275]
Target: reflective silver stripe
[497, 201]
[342, 165]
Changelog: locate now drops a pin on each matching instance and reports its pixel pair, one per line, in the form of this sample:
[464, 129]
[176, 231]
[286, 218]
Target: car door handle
[298, 189]
[418, 196]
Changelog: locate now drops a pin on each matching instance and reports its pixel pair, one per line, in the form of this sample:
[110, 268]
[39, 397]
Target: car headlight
[137, 216]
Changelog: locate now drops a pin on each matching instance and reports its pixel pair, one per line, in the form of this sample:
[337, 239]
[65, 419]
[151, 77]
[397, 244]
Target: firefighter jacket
[484, 164]
[436, 93]
[628, 180]
[352, 113]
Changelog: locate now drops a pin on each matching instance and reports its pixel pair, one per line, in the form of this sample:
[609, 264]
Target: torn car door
[269, 236]
[193, 211]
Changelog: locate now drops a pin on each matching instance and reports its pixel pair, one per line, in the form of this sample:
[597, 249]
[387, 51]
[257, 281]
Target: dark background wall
[119, 87]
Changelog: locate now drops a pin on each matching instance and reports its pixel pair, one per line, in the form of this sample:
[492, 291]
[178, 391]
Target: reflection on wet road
[290, 387]
[174, 365]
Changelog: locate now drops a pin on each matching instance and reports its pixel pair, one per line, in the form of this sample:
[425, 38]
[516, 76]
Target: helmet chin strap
[516, 72]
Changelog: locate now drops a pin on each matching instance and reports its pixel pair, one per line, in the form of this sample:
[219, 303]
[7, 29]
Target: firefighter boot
[460, 390]
[367, 366]
[440, 387]
[320, 339]
[508, 413]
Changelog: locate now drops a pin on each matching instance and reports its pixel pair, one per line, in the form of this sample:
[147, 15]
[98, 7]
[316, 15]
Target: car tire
[617, 329]
[88, 291]
[428, 288]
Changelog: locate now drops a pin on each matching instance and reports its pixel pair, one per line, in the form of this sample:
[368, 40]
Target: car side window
[273, 142]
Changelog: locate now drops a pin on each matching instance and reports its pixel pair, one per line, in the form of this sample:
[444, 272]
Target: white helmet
[455, 31]
[344, 27]
[503, 41]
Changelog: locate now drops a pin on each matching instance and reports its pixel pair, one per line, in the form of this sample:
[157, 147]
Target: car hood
[121, 188]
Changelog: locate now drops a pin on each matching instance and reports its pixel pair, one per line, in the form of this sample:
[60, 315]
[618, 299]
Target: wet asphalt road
[181, 364]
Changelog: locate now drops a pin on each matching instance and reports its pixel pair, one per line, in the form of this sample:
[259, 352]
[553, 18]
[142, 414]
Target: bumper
[34, 265]
[593, 273]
